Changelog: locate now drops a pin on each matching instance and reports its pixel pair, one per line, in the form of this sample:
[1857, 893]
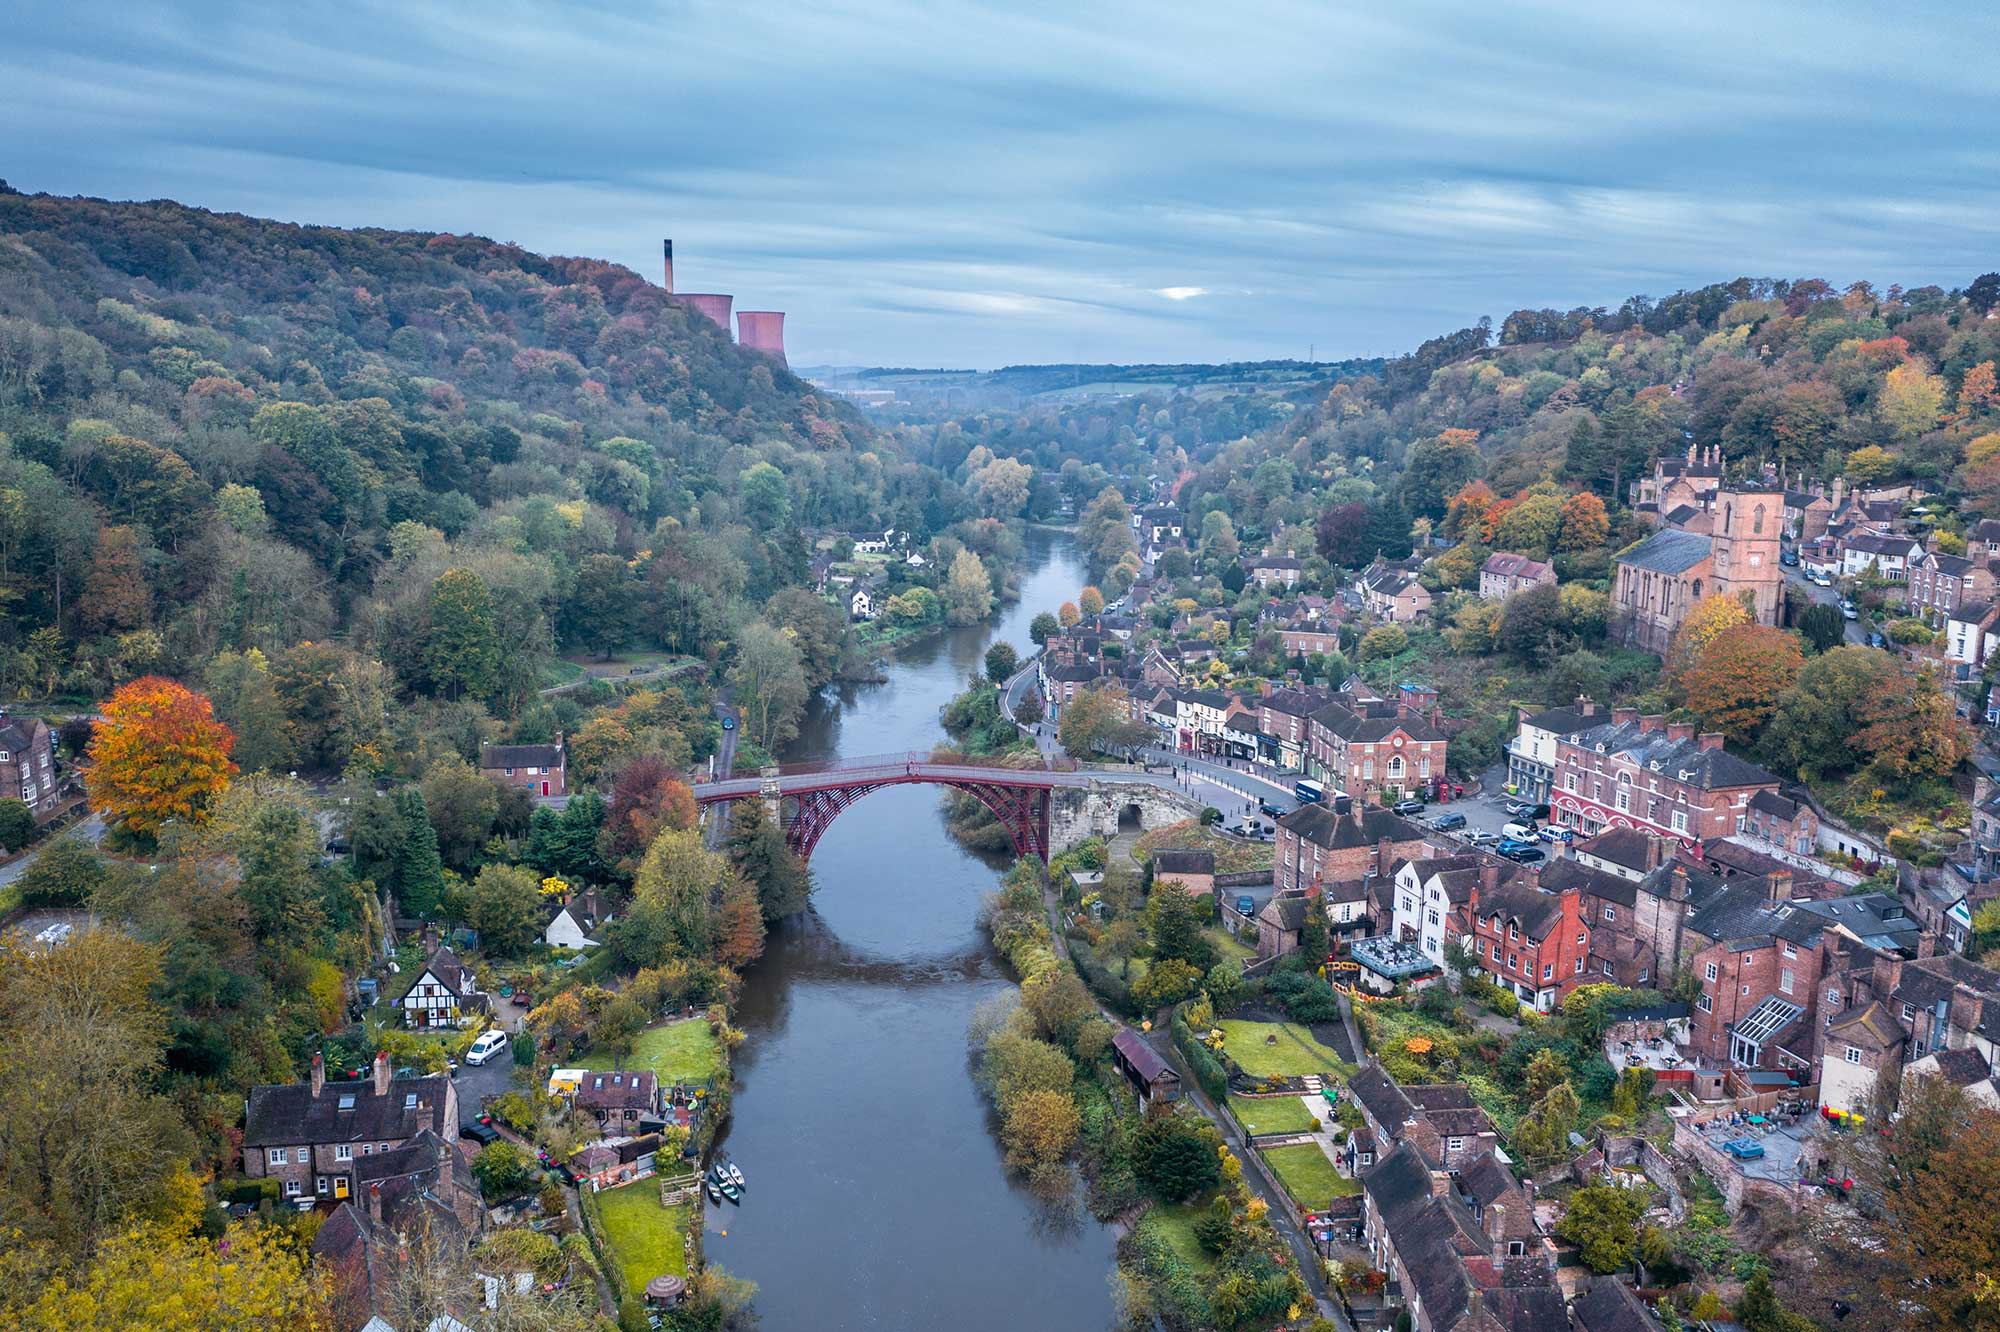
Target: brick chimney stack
[1710, 739]
[1584, 706]
[1655, 722]
[1780, 882]
[1624, 716]
[318, 1075]
[1489, 877]
[1496, 1224]
[1679, 731]
[381, 1073]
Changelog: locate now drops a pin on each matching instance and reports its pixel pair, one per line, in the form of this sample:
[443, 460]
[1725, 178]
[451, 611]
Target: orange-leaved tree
[158, 755]
[1707, 618]
[1737, 678]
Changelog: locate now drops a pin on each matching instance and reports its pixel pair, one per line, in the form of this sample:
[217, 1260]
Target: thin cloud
[980, 184]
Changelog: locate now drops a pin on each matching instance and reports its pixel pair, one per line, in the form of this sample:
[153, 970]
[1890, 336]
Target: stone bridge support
[1077, 814]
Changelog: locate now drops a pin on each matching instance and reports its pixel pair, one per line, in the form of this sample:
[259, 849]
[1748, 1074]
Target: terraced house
[1628, 771]
[1377, 750]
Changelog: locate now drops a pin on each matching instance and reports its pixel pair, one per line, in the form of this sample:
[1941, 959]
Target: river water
[876, 1195]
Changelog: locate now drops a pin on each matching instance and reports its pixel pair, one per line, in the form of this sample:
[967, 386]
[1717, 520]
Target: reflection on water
[876, 1195]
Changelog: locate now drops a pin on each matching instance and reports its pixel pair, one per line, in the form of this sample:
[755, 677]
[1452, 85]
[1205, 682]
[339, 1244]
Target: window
[1513, 932]
[319, 1186]
[1605, 967]
[1785, 980]
[1909, 1013]
[343, 1151]
[1571, 783]
[1791, 950]
[276, 1156]
[1513, 962]
[1680, 821]
[1481, 948]
[1704, 1005]
[368, 1149]
[1454, 1144]
[1709, 971]
[1579, 966]
[1611, 913]
[1746, 992]
[1433, 916]
[1853, 1055]
[409, 1100]
[1548, 971]
[291, 1188]
[1582, 939]
[1516, 1248]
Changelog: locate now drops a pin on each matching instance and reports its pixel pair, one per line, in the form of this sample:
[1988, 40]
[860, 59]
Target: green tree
[1602, 1220]
[1175, 1156]
[462, 804]
[462, 650]
[1001, 662]
[767, 500]
[1043, 627]
[504, 1170]
[504, 903]
[1822, 626]
[17, 824]
[1174, 925]
[1438, 468]
[66, 872]
[757, 846]
[601, 606]
[769, 681]
[419, 870]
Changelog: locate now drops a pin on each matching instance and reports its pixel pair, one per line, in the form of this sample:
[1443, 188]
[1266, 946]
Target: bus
[1308, 791]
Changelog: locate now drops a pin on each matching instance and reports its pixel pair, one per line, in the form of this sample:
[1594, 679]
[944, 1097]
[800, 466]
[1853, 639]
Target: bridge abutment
[1077, 814]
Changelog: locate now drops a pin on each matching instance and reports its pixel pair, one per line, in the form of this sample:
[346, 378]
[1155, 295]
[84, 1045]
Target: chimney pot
[669, 245]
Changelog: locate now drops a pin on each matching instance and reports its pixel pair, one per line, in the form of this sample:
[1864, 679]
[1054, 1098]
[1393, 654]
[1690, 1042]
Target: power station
[759, 330]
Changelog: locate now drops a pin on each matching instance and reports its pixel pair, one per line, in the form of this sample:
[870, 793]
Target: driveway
[91, 830]
[477, 1083]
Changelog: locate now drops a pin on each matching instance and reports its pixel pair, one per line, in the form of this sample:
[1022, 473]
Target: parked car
[1875, 640]
[1448, 822]
[1790, 559]
[1480, 837]
[1507, 844]
[1847, 611]
[1517, 809]
[1822, 577]
[1246, 905]
[1269, 810]
[486, 1047]
[479, 1131]
[1519, 832]
[1525, 855]
[1409, 806]
[1550, 832]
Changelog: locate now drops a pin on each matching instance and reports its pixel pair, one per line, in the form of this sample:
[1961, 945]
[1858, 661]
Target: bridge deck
[887, 771]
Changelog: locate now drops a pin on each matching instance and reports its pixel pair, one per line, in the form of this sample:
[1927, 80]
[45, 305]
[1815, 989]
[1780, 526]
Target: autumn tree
[462, 650]
[1465, 515]
[1038, 1128]
[1911, 733]
[769, 681]
[739, 925]
[968, 592]
[1943, 1234]
[1584, 523]
[1737, 679]
[115, 596]
[1099, 720]
[158, 755]
[1341, 535]
[1709, 617]
[1911, 400]
[646, 796]
[1090, 601]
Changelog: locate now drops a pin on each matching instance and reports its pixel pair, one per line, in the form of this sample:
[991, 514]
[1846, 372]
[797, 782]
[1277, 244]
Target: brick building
[542, 769]
[1662, 578]
[1316, 845]
[1284, 720]
[1532, 943]
[1628, 771]
[1506, 573]
[314, 1136]
[1375, 750]
[27, 765]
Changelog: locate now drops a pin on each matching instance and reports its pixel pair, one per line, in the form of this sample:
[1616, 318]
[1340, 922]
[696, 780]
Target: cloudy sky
[981, 184]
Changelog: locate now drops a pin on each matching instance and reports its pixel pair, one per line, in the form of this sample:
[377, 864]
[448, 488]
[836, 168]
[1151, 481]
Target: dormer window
[347, 1100]
[409, 1100]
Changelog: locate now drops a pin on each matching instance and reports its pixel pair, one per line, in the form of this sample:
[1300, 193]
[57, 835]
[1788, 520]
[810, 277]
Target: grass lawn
[646, 1236]
[679, 1052]
[1231, 856]
[1307, 1175]
[1176, 1222]
[1227, 946]
[1273, 1114]
[1295, 1054]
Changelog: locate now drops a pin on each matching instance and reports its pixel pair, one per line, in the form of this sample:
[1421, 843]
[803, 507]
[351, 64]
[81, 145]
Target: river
[876, 1193]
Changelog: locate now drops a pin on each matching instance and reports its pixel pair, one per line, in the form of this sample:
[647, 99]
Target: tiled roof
[1627, 847]
[1538, 912]
[1506, 564]
[520, 756]
[289, 1114]
[1870, 1022]
[1184, 862]
[1708, 769]
[1610, 1306]
[1318, 824]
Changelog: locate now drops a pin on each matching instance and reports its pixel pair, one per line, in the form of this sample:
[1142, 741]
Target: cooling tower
[715, 307]
[764, 331]
[670, 266]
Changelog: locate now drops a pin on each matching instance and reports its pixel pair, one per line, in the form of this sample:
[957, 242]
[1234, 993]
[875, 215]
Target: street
[475, 1083]
[91, 830]
[1826, 596]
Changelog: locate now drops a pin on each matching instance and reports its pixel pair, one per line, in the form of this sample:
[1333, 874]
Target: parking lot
[1487, 813]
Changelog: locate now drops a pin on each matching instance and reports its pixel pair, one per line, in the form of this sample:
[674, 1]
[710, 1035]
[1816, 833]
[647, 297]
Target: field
[646, 1237]
[679, 1052]
[1295, 1053]
[1307, 1174]
[1273, 1114]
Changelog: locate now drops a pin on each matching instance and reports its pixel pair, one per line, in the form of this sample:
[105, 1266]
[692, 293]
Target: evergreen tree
[757, 846]
[419, 869]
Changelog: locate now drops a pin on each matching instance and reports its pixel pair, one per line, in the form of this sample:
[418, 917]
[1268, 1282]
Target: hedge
[1208, 1071]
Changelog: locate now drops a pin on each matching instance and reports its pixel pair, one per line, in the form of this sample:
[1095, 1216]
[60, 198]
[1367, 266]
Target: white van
[488, 1045]
[1519, 832]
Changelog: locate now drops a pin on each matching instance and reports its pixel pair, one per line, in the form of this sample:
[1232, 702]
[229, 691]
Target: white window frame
[1708, 971]
[275, 1156]
[343, 1151]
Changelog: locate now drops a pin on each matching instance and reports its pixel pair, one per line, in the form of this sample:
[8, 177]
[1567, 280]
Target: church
[1725, 548]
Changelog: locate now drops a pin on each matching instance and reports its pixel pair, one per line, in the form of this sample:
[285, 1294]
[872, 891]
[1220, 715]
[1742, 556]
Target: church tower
[1745, 547]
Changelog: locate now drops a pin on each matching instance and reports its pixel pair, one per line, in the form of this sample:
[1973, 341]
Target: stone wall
[1078, 813]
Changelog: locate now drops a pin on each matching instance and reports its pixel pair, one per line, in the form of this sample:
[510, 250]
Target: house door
[545, 788]
[340, 1186]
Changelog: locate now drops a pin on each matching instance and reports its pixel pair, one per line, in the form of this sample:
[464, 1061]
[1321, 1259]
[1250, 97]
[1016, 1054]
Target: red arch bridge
[811, 795]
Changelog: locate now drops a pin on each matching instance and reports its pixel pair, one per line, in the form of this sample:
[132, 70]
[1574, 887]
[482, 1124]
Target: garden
[1278, 1050]
[1272, 1114]
[1308, 1174]
[643, 1238]
[686, 1051]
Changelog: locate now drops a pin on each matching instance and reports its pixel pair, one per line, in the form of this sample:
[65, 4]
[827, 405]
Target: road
[1826, 596]
[91, 829]
[475, 1083]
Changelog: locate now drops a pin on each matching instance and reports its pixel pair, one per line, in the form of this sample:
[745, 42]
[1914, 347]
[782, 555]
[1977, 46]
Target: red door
[545, 788]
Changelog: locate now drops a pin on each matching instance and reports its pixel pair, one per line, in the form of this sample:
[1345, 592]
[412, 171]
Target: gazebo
[665, 1291]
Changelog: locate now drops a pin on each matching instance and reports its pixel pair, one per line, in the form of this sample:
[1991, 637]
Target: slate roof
[1143, 1058]
[618, 1090]
[1961, 1067]
[1626, 847]
[1287, 913]
[1877, 919]
[1384, 1101]
[1708, 769]
[1318, 824]
[492, 757]
[1566, 720]
[1563, 873]
[17, 734]
[1506, 564]
[1876, 543]
[1184, 862]
[1610, 1306]
[1870, 1022]
[288, 1114]
[1293, 702]
[1743, 914]
[1371, 724]
[1538, 912]
[1668, 551]
[1770, 802]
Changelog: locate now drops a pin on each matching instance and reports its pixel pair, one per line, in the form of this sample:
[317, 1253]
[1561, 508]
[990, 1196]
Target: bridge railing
[850, 763]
